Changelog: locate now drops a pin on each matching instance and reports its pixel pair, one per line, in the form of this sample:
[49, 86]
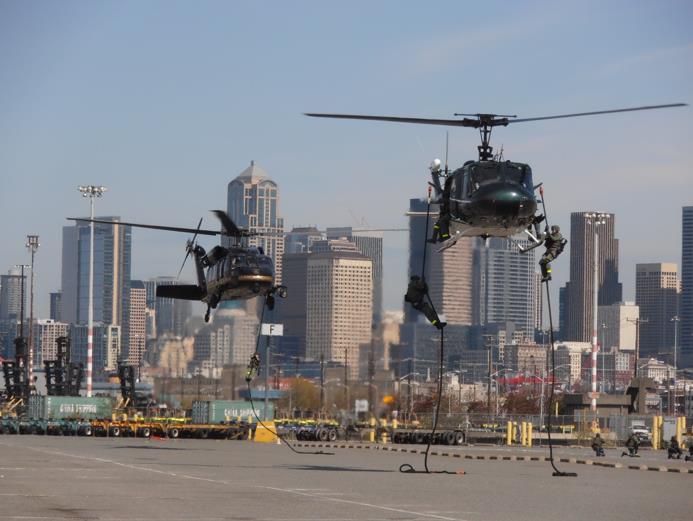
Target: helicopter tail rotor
[189, 247]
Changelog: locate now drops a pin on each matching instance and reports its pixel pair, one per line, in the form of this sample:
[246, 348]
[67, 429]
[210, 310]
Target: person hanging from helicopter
[555, 243]
[417, 292]
[441, 229]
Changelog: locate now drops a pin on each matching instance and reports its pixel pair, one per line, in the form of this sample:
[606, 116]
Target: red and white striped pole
[91, 192]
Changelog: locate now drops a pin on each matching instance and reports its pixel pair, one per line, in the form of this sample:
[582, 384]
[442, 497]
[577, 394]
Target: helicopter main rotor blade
[227, 223]
[189, 248]
[595, 113]
[150, 226]
[424, 121]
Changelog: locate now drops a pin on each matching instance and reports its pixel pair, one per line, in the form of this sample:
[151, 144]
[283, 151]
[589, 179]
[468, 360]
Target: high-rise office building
[253, 203]
[112, 252]
[55, 305]
[230, 339]
[504, 285]
[448, 273]
[11, 294]
[137, 323]
[46, 332]
[171, 315]
[339, 290]
[656, 293]
[581, 294]
[300, 239]
[107, 346]
[616, 330]
[371, 245]
[685, 333]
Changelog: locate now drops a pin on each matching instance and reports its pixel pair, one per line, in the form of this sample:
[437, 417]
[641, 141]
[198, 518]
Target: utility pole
[603, 381]
[637, 322]
[371, 376]
[91, 192]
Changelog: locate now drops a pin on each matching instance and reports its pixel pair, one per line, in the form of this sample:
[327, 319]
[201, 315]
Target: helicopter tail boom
[180, 291]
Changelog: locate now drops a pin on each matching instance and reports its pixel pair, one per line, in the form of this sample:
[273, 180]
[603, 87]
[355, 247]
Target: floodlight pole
[596, 219]
[32, 244]
[91, 192]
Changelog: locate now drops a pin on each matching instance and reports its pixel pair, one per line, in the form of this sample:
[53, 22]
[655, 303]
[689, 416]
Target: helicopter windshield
[486, 173]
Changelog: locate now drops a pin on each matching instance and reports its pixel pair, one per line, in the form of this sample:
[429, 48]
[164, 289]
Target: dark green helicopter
[236, 272]
[488, 197]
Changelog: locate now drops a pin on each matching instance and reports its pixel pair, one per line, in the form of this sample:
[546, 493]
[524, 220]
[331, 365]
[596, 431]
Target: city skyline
[165, 140]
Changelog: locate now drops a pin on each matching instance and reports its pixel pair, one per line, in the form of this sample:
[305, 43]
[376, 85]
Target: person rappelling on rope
[555, 243]
[253, 367]
[417, 292]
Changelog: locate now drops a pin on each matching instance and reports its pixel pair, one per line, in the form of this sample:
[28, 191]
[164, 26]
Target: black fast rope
[407, 468]
[252, 404]
[556, 472]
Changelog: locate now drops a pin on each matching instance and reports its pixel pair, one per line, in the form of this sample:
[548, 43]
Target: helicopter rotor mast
[485, 122]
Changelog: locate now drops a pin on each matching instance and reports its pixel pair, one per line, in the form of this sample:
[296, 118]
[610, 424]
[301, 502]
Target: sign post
[269, 330]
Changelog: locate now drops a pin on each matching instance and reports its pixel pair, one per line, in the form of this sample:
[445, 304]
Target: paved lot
[46, 478]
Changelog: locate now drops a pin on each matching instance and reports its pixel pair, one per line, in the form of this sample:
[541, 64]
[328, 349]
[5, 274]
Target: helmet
[555, 228]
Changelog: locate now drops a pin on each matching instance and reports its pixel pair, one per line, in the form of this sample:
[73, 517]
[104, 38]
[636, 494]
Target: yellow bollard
[529, 434]
[383, 424]
[371, 433]
[523, 434]
[657, 433]
[394, 424]
[678, 430]
[683, 429]
[509, 433]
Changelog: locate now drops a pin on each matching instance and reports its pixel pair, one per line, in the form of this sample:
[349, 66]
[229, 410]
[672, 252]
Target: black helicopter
[489, 197]
[236, 272]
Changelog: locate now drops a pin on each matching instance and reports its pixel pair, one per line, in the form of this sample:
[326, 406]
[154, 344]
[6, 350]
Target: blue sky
[165, 102]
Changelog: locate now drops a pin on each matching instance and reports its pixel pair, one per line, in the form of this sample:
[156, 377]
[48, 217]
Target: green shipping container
[218, 411]
[70, 407]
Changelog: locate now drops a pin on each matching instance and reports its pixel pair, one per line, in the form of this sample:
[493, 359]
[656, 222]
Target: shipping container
[72, 407]
[219, 411]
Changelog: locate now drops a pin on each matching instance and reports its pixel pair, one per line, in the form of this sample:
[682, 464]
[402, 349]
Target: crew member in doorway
[554, 243]
[416, 296]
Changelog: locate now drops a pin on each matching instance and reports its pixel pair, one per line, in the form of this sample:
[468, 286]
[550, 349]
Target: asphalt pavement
[64, 478]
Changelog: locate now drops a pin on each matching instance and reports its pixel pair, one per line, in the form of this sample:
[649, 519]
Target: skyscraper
[253, 203]
[137, 322]
[112, 252]
[339, 289]
[581, 292]
[300, 239]
[171, 314]
[11, 293]
[505, 285]
[448, 274]
[46, 333]
[55, 305]
[685, 336]
[371, 246]
[656, 293]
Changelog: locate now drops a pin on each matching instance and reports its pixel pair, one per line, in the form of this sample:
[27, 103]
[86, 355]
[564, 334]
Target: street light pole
[675, 320]
[32, 244]
[91, 192]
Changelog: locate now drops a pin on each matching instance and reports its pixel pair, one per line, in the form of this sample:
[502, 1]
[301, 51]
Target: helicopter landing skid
[449, 243]
[536, 242]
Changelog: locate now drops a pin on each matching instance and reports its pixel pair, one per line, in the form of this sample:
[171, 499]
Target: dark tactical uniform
[442, 226]
[674, 449]
[632, 444]
[416, 296]
[554, 247]
[598, 445]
